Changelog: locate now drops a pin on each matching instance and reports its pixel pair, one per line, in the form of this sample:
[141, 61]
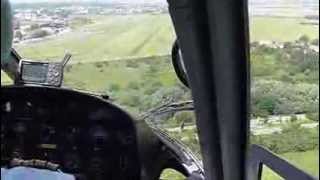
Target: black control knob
[20, 128]
[72, 162]
[98, 137]
[48, 134]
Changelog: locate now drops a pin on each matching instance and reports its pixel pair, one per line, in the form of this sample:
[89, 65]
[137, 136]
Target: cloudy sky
[127, 1]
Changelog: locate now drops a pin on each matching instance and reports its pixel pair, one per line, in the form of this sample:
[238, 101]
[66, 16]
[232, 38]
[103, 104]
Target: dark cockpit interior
[81, 133]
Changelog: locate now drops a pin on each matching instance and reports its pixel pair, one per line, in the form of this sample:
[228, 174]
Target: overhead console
[83, 134]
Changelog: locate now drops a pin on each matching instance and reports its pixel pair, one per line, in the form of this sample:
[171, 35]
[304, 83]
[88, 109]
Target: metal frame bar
[213, 36]
[260, 156]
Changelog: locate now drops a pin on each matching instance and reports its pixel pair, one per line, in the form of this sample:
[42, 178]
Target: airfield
[115, 53]
[115, 39]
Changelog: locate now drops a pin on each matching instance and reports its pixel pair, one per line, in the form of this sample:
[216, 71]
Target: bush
[18, 34]
[292, 139]
[68, 68]
[34, 27]
[304, 39]
[278, 97]
[133, 85]
[152, 87]
[189, 138]
[152, 70]
[106, 63]
[287, 64]
[132, 64]
[315, 42]
[313, 116]
[99, 65]
[267, 104]
[114, 87]
[293, 118]
[132, 100]
[161, 95]
[185, 117]
[80, 21]
[40, 33]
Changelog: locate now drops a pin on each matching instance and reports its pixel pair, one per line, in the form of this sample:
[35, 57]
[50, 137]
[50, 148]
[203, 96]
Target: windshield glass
[285, 81]
[109, 41]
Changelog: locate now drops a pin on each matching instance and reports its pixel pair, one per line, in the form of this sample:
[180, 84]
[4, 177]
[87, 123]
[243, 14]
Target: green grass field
[4, 78]
[99, 76]
[111, 38]
[280, 29]
[108, 38]
[308, 161]
[100, 51]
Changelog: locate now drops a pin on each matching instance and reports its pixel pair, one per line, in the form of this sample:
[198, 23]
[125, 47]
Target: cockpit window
[285, 80]
[109, 41]
[119, 48]
[5, 80]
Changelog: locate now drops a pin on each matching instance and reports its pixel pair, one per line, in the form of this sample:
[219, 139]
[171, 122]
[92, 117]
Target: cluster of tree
[80, 21]
[285, 81]
[308, 41]
[277, 97]
[292, 63]
[39, 33]
[190, 138]
[293, 138]
[143, 97]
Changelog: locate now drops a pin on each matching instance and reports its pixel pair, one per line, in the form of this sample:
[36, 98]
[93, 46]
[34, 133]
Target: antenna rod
[66, 59]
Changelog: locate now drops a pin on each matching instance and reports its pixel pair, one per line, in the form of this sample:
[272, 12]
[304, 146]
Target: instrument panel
[84, 134]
